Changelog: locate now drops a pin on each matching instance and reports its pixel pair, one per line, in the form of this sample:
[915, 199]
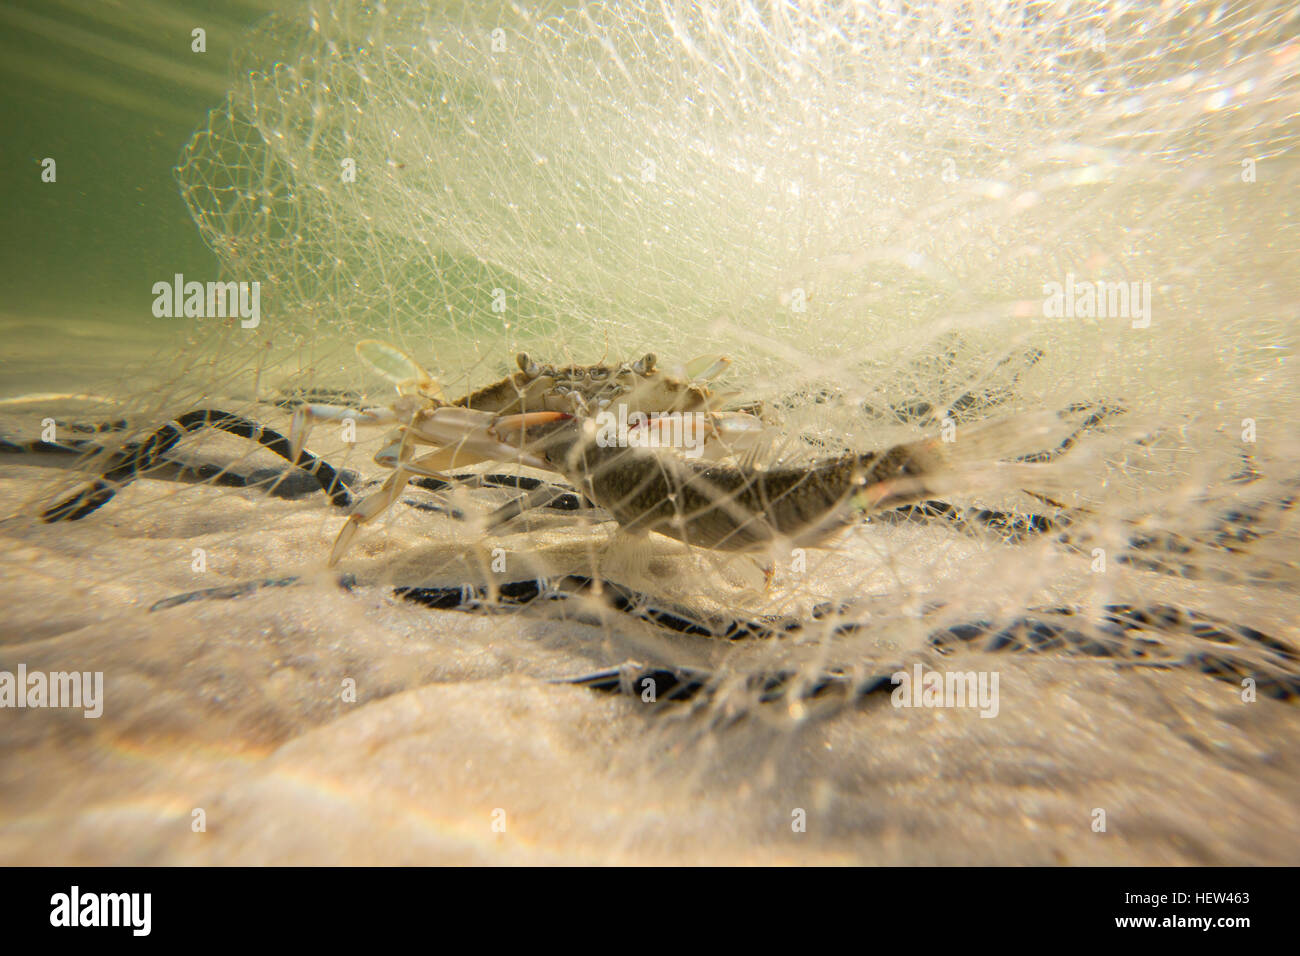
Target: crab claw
[520, 423]
[470, 433]
[513, 429]
[450, 423]
[738, 433]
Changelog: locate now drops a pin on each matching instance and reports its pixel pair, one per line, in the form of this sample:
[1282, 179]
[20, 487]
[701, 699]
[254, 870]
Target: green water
[111, 93]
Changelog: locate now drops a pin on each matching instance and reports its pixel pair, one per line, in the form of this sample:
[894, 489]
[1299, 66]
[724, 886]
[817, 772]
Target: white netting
[866, 206]
[688, 175]
[863, 205]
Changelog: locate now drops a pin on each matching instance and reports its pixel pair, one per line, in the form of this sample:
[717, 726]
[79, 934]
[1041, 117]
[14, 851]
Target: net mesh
[864, 206]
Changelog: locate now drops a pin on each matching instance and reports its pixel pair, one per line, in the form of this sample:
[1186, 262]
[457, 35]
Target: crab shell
[585, 389]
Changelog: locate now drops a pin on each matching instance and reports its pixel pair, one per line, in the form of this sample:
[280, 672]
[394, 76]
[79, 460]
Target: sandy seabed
[233, 706]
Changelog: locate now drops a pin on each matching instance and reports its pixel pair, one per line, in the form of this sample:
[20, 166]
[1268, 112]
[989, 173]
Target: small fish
[744, 507]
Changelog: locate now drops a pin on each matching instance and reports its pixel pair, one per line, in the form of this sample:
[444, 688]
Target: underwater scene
[650, 432]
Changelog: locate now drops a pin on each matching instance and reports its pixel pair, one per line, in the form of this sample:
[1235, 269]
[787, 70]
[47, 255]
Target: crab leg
[705, 368]
[398, 367]
[306, 416]
[719, 434]
[373, 506]
[367, 510]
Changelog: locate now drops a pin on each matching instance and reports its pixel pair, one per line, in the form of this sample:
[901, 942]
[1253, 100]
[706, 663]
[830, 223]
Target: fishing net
[890, 217]
[864, 207]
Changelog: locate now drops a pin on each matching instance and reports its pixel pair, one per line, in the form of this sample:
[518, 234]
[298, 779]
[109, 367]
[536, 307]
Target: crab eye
[645, 364]
[527, 365]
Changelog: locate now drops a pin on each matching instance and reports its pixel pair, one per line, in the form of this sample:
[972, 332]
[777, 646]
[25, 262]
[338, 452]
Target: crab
[463, 432]
[548, 417]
